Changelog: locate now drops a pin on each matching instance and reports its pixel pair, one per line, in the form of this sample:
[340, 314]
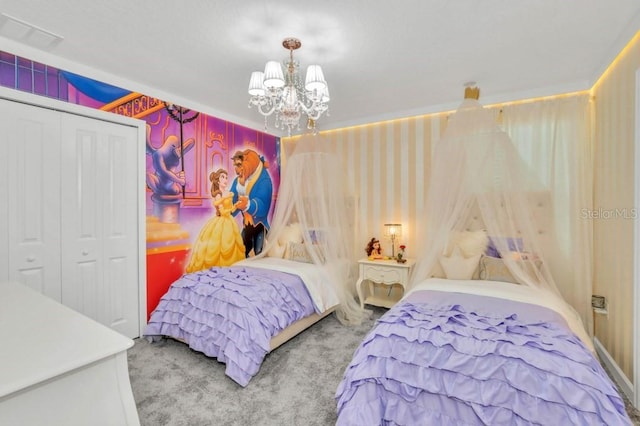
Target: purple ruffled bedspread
[442, 358]
[231, 313]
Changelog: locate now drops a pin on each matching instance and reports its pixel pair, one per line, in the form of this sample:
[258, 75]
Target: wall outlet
[598, 302]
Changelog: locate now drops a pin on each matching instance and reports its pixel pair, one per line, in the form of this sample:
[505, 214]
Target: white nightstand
[386, 272]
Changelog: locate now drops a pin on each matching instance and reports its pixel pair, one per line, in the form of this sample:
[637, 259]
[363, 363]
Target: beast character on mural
[252, 189]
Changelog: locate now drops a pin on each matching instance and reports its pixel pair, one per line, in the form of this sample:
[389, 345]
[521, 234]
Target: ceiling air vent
[27, 33]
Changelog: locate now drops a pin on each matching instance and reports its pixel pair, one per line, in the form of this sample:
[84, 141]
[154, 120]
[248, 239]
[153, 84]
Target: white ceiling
[382, 59]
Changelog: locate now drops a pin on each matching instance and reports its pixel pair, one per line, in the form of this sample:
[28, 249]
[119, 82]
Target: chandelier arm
[314, 111]
[266, 113]
[307, 110]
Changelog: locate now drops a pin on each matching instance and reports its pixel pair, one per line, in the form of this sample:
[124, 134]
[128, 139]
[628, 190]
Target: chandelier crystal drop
[286, 95]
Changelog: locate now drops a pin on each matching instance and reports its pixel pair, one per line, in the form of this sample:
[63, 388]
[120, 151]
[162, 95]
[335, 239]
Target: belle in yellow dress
[219, 242]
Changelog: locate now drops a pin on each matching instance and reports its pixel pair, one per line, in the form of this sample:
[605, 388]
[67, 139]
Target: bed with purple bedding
[448, 357]
[232, 313]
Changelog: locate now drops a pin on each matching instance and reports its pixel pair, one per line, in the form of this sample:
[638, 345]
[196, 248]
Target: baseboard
[618, 376]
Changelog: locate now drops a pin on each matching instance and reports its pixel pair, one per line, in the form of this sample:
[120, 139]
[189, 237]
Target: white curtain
[554, 138]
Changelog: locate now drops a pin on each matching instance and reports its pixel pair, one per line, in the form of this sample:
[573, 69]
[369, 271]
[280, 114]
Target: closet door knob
[31, 258]
[85, 252]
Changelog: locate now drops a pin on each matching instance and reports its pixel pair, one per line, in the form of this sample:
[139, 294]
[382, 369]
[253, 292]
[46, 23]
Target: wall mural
[211, 184]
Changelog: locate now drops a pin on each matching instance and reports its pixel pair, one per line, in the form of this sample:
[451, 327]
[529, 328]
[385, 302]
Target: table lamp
[392, 231]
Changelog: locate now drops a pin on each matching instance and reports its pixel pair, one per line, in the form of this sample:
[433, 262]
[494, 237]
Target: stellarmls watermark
[607, 214]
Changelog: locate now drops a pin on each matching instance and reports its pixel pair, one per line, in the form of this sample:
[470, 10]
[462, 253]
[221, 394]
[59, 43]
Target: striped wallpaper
[615, 117]
[387, 165]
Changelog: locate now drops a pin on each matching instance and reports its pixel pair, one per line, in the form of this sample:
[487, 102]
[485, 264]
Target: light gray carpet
[296, 384]
[175, 386]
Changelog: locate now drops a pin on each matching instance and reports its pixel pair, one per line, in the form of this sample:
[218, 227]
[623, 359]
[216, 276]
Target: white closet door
[29, 141]
[100, 222]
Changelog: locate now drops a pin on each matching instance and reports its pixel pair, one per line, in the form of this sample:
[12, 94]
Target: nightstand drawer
[383, 275]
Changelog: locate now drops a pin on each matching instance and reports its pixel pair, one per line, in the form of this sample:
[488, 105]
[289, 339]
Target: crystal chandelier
[272, 91]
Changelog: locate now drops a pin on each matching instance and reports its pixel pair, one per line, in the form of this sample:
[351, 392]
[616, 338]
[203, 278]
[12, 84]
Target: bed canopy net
[313, 220]
[482, 198]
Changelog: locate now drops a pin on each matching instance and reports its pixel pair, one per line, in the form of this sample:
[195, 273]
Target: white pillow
[458, 267]
[290, 232]
[298, 252]
[472, 243]
[494, 269]
[276, 250]
[437, 271]
[295, 234]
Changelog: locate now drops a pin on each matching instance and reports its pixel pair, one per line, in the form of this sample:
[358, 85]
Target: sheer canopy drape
[313, 197]
[525, 187]
[554, 138]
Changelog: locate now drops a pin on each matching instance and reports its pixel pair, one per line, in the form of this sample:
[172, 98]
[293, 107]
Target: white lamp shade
[324, 95]
[256, 88]
[315, 78]
[273, 76]
[392, 230]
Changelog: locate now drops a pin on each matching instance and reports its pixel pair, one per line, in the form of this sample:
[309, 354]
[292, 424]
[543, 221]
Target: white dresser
[58, 367]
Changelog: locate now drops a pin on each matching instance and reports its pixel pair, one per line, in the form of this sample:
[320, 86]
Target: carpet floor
[296, 384]
[175, 386]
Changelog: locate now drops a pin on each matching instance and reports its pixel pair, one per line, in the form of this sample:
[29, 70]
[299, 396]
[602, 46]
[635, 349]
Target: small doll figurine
[374, 250]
